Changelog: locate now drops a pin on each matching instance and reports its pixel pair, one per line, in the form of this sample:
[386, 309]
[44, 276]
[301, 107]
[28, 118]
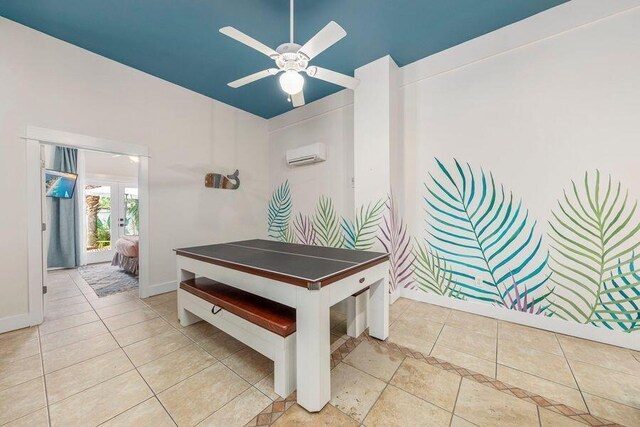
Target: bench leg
[357, 314]
[284, 375]
[186, 318]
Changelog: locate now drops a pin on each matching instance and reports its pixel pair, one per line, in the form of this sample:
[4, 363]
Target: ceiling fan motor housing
[288, 48]
[290, 58]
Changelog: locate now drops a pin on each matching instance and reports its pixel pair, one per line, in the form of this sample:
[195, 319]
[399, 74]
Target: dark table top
[292, 263]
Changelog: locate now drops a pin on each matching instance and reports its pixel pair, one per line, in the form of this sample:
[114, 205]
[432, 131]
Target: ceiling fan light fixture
[291, 82]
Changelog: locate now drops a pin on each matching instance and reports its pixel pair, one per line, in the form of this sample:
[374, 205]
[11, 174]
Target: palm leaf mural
[288, 235]
[621, 297]
[305, 232]
[279, 212]
[594, 235]
[520, 300]
[487, 238]
[361, 234]
[326, 224]
[397, 243]
[432, 273]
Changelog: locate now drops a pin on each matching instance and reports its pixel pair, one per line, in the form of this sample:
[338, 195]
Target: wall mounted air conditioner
[308, 154]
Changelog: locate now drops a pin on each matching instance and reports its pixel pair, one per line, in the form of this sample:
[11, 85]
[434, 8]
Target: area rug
[106, 279]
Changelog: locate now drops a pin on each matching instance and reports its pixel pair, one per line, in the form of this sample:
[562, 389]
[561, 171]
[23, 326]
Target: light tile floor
[121, 361]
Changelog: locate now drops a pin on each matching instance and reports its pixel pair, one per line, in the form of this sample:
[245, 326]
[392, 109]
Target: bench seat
[262, 312]
[264, 325]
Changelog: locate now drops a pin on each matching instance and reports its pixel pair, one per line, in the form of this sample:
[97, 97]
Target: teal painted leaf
[361, 234]
[620, 298]
[432, 273]
[327, 224]
[594, 235]
[279, 212]
[487, 238]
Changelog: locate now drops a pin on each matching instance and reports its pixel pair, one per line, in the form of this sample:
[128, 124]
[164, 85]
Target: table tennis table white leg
[379, 309]
[186, 318]
[312, 358]
[357, 314]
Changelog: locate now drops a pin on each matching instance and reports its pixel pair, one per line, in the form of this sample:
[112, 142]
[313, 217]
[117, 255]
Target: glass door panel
[101, 228]
[98, 211]
[130, 223]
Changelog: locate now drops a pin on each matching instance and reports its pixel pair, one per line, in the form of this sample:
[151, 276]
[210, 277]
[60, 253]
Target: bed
[126, 254]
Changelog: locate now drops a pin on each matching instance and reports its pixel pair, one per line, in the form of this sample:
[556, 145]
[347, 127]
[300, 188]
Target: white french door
[111, 211]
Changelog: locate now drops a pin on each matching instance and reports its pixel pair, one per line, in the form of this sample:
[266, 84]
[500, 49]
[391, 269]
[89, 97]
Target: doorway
[36, 140]
[111, 212]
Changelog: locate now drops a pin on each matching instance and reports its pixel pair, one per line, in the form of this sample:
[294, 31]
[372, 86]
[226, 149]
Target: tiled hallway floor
[122, 361]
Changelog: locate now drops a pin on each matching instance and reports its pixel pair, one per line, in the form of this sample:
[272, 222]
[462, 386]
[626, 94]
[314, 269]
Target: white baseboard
[606, 336]
[11, 323]
[158, 288]
[394, 295]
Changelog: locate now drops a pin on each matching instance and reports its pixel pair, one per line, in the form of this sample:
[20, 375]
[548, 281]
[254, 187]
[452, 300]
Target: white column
[376, 152]
[375, 129]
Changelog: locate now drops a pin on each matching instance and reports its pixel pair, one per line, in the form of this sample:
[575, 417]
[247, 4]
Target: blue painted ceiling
[178, 40]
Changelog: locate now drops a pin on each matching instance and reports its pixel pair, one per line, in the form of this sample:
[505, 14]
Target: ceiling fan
[292, 59]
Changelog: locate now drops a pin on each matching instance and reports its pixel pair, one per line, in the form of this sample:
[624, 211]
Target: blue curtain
[64, 224]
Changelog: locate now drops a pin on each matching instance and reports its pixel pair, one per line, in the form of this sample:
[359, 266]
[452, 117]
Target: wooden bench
[266, 326]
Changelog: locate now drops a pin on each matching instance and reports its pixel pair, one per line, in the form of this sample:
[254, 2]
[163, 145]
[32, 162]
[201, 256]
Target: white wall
[537, 117]
[46, 82]
[329, 121]
[100, 165]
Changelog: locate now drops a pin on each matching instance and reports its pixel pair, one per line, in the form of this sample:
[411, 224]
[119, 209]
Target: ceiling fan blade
[333, 77]
[253, 77]
[330, 34]
[249, 41]
[298, 99]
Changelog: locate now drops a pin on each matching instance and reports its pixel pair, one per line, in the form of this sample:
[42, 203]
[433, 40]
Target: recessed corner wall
[328, 121]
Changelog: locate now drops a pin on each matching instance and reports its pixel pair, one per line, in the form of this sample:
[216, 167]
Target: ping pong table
[308, 278]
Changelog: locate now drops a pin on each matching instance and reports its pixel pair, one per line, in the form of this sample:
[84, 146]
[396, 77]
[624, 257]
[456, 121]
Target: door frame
[35, 138]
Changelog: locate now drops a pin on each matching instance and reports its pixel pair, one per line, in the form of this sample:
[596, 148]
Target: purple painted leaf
[394, 238]
[305, 231]
[519, 301]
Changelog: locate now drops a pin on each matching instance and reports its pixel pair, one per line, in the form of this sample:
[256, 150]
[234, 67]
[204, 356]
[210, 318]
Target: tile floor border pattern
[270, 414]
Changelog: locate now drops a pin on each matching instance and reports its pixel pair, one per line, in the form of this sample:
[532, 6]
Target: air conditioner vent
[308, 154]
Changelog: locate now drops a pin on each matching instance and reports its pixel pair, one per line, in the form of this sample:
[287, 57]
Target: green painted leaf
[327, 224]
[288, 235]
[594, 235]
[361, 235]
[279, 212]
[432, 273]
